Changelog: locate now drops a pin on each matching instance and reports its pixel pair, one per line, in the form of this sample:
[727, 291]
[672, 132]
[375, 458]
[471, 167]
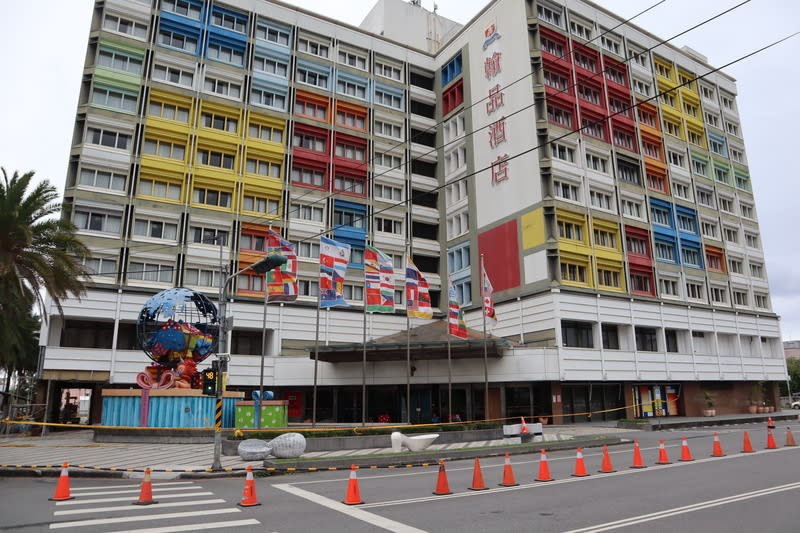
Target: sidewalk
[21, 453]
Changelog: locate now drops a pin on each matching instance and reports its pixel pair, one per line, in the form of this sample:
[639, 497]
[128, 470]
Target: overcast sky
[44, 44]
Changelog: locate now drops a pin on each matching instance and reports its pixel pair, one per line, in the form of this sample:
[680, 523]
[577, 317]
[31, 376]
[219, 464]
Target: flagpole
[316, 364]
[485, 347]
[449, 374]
[263, 354]
[364, 360]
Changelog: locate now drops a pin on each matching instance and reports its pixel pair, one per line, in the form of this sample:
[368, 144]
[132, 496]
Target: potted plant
[709, 411]
[753, 407]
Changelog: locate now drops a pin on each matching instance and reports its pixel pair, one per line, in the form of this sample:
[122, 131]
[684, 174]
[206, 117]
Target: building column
[557, 402]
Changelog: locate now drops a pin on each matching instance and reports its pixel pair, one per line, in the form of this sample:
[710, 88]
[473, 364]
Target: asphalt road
[735, 493]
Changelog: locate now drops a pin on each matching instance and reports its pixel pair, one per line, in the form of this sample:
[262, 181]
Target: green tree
[793, 367]
[39, 254]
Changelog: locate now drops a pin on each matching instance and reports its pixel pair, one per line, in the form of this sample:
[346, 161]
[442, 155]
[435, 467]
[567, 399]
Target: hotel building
[600, 173]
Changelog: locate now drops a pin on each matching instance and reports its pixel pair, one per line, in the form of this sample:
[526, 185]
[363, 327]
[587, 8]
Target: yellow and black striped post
[218, 415]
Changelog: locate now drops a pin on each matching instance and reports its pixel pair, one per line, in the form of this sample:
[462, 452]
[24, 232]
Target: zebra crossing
[183, 506]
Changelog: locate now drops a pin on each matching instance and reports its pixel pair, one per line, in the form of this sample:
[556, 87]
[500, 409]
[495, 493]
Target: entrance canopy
[426, 342]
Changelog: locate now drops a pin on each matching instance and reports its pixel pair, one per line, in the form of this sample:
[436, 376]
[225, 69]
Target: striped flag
[418, 299]
[282, 281]
[458, 327]
[488, 304]
[333, 259]
[379, 279]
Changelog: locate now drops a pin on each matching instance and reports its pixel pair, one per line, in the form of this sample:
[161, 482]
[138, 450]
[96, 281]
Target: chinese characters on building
[492, 67]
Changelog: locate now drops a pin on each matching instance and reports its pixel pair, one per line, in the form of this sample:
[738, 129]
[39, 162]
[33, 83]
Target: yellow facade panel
[533, 231]
[163, 165]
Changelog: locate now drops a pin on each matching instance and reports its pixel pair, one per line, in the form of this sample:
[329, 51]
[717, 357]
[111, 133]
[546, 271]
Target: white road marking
[686, 509]
[149, 516]
[129, 485]
[128, 498]
[136, 490]
[130, 507]
[354, 512]
[194, 527]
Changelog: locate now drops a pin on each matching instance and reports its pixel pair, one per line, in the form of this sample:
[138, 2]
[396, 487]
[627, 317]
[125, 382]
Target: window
[108, 138]
[727, 102]
[604, 238]
[628, 173]
[565, 190]
[388, 225]
[97, 221]
[695, 291]
[712, 119]
[636, 245]
[312, 47]
[709, 229]
[737, 155]
[455, 192]
[661, 216]
[585, 62]
[612, 45]
[597, 163]
[211, 197]
[457, 224]
[740, 298]
[590, 94]
[657, 182]
[179, 41]
[642, 87]
[120, 100]
[255, 243]
[308, 176]
[563, 152]
[719, 295]
[310, 77]
[349, 151]
[761, 301]
[686, 223]
[200, 277]
[699, 167]
[722, 175]
[353, 219]
[270, 66]
[631, 208]
[581, 30]
[273, 34]
[671, 339]
[219, 122]
[608, 278]
[726, 204]
[265, 133]
[453, 97]
[228, 21]
[691, 257]
[309, 141]
[155, 229]
[182, 7]
[263, 168]
[215, 159]
[665, 252]
[102, 179]
[717, 146]
[388, 129]
[663, 70]
[267, 98]
[570, 230]
[667, 99]
[150, 272]
[173, 75]
[673, 128]
[600, 199]
[639, 56]
[681, 190]
[619, 107]
[350, 185]
[757, 270]
[162, 148]
[705, 197]
[451, 70]
[708, 93]
[731, 234]
[646, 340]
[353, 292]
[572, 272]
[610, 333]
[735, 266]
[746, 210]
[388, 71]
[119, 61]
[556, 80]
[624, 139]
[549, 14]
[210, 236]
[694, 137]
[387, 192]
[225, 88]
[311, 109]
[168, 111]
[751, 239]
[677, 159]
[351, 119]
[307, 288]
[306, 212]
[260, 204]
[307, 249]
[647, 117]
[159, 189]
[458, 259]
[225, 54]
[388, 99]
[552, 47]
[691, 110]
[353, 59]
[640, 283]
[669, 287]
[576, 334]
[101, 266]
[455, 159]
[128, 27]
[387, 160]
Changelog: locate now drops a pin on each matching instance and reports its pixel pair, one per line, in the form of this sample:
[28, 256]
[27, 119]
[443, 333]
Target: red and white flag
[488, 304]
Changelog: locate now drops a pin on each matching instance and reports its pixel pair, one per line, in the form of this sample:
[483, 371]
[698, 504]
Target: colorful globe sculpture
[178, 324]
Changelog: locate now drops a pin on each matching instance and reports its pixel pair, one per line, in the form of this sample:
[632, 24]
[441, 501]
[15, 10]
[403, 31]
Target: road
[735, 493]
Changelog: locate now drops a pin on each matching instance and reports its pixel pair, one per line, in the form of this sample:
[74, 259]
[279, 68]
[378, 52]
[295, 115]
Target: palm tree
[39, 253]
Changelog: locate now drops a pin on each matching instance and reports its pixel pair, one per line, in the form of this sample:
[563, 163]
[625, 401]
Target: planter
[761, 409]
[770, 408]
[709, 412]
[752, 409]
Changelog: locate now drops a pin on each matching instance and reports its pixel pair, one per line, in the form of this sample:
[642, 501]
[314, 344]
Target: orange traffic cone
[771, 440]
[717, 452]
[442, 487]
[544, 470]
[580, 466]
[62, 488]
[524, 427]
[477, 477]
[686, 453]
[249, 495]
[637, 456]
[508, 474]
[353, 496]
[662, 454]
[770, 423]
[146, 494]
[747, 447]
[790, 438]
[606, 466]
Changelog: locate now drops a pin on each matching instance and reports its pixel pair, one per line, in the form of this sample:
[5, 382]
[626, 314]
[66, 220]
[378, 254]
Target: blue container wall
[168, 411]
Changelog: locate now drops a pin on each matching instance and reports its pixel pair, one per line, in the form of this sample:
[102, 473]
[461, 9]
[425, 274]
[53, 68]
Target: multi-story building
[599, 172]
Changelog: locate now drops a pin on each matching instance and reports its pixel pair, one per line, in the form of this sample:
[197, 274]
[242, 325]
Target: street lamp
[268, 263]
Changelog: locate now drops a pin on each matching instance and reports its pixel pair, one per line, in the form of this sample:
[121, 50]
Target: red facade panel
[500, 249]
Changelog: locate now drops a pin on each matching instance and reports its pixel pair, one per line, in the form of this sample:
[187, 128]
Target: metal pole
[449, 376]
[316, 365]
[485, 349]
[222, 347]
[47, 407]
[263, 354]
[408, 365]
[364, 366]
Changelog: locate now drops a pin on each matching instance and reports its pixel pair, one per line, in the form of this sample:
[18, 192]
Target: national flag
[282, 281]
[379, 279]
[488, 304]
[418, 299]
[455, 315]
[333, 259]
